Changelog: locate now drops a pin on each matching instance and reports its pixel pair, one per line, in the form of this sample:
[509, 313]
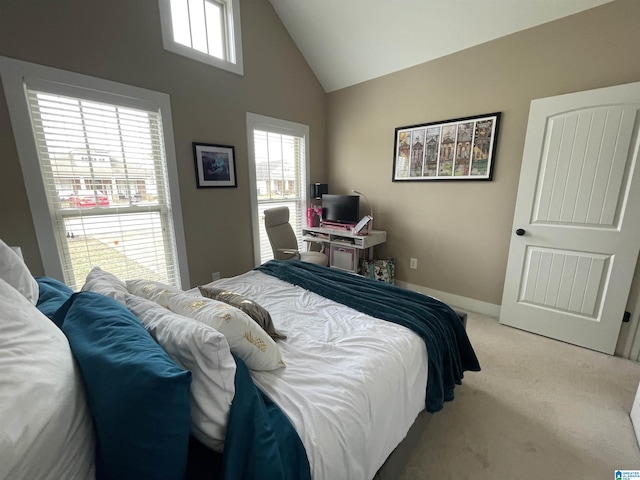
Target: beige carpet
[539, 409]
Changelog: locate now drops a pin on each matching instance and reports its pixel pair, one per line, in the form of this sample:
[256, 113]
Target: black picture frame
[448, 150]
[215, 165]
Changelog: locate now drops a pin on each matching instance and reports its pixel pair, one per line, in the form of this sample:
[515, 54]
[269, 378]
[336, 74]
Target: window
[279, 157]
[99, 167]
[204, 30]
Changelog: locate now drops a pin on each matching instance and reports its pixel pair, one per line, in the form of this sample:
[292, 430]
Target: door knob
[520, 232]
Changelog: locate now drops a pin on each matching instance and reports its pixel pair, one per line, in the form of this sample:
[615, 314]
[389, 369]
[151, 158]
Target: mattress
[352, 385]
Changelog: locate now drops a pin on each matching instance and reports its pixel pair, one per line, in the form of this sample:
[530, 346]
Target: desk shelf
[343, 237]
[344, 247]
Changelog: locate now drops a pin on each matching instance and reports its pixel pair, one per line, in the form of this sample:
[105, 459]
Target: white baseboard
[463, 303]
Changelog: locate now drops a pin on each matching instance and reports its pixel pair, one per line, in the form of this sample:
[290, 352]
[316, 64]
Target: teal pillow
[53, 293]
[138, 396]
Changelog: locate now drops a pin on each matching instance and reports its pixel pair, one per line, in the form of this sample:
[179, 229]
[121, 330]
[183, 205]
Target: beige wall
[460, 231]
[120, 40]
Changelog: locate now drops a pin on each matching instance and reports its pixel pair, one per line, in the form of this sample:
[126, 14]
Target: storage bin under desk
[344, 257]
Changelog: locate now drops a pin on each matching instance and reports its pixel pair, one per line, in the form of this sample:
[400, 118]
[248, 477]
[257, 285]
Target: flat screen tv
[343, 209]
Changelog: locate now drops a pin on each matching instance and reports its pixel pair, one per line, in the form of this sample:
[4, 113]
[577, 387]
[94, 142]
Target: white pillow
[46, 429]
[154, 291]
[105, 283]
[205, 352]
[16, 273]
[246, 339]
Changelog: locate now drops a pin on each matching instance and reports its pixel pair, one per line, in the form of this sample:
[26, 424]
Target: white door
[576, 231]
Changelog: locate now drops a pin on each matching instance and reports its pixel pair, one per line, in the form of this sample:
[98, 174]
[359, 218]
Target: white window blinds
[280, 164]
[105, 176]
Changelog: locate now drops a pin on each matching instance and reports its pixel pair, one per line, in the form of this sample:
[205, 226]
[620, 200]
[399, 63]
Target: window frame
[285, 127]
[15, 75]
[233, 38]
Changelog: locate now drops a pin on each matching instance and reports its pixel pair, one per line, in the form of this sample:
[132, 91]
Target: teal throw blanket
[450, 351]
[260, 442]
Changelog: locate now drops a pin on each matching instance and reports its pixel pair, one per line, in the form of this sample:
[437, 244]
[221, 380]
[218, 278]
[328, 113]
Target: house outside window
[279, 166]
[99, 167]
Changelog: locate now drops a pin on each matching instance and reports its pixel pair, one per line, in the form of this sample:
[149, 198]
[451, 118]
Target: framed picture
[457, 149]
[215, 165]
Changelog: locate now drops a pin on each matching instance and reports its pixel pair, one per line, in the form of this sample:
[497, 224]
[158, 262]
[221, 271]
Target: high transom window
[204, 30]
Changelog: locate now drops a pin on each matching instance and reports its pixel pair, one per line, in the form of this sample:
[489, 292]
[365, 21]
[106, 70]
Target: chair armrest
[287, 253]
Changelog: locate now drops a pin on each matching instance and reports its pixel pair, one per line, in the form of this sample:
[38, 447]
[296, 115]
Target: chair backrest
[279, 231]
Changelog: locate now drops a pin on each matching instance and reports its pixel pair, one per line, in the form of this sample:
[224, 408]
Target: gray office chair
[283, 241]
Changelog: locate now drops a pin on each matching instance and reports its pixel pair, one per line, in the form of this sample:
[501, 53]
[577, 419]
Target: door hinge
[626, 318]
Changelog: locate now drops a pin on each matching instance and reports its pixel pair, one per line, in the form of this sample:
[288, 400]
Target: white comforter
[353, 384]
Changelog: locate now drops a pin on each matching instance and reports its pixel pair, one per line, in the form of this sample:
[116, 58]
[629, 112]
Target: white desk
[343, 247]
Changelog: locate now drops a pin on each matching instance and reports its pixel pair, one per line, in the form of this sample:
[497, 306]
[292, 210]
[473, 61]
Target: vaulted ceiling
[350, 41]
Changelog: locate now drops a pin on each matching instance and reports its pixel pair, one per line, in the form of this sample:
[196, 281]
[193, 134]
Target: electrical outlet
[413, 263]
[215, 276]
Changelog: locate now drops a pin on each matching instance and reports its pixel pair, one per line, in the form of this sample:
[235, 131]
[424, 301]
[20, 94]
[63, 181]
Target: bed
[342, 390]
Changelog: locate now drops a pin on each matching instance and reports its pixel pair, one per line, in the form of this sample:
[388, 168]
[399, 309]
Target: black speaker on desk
[319, 189]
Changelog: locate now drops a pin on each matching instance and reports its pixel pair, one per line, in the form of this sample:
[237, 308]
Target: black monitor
[344, 209]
